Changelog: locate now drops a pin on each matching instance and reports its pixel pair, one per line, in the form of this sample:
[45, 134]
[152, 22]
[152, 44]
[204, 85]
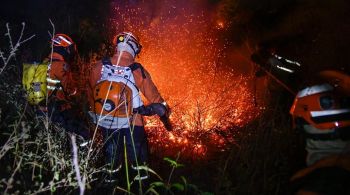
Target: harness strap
[133, 67]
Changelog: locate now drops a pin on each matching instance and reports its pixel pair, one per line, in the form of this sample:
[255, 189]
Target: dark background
[82, 20]
[314, 32]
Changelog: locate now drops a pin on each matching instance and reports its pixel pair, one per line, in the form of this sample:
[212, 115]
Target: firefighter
[61, 87]
[117, 107]
[322, 112]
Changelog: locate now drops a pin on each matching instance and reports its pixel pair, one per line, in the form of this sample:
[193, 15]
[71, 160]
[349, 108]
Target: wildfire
[183, 53]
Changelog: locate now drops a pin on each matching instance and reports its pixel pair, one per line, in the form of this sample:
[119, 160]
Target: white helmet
[126, 41]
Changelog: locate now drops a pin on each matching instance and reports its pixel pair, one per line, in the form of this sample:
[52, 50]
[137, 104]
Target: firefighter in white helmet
[322, 113]
[117, 108]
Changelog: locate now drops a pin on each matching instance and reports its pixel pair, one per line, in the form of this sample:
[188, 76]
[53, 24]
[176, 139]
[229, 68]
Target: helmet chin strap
[119, 53]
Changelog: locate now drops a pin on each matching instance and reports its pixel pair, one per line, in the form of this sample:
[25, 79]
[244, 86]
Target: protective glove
[144, 110]
[159, 109]
[165, 118]
[166, 122]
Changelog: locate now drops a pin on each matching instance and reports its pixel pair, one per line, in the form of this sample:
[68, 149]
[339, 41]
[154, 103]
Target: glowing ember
[220, 25]
[181, 50]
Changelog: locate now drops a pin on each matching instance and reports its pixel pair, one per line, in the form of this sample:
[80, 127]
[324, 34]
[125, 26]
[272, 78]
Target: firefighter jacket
[143, 82]
[59, 78]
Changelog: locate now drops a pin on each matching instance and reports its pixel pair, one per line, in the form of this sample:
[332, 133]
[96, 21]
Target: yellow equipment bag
[34, 82]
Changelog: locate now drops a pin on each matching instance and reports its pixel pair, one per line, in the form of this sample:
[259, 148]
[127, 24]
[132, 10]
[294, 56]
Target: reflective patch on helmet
[314, 90]
[121, 38]
[329, 112]
[65, 40]
[57, 41]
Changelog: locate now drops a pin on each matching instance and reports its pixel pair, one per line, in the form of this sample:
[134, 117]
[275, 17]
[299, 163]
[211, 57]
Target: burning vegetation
[210, 100]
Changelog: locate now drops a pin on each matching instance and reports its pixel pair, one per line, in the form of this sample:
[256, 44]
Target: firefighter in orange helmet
[117, 107]
[61, 86]
[59, 73]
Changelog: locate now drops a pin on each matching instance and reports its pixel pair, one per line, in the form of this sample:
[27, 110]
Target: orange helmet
[62, 40]
[322, 106]
[127, 41]
[64, 45]
[112, 98]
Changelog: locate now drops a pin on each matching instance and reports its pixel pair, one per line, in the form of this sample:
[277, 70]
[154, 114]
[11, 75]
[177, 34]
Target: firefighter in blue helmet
[117, 107]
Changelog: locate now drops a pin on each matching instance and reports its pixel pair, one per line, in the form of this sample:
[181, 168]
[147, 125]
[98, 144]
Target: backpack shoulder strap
[136, 66]
[133, 67]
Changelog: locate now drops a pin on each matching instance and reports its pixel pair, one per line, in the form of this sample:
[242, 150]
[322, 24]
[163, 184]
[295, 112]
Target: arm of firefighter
[338, 160]
[59, 70]
[94, 75]
[147, 87]
[150, 91]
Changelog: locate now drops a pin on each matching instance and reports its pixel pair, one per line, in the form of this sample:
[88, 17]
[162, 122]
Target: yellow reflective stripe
[49, 80]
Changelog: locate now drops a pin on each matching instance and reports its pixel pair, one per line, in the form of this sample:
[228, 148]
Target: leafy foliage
[182, 187]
